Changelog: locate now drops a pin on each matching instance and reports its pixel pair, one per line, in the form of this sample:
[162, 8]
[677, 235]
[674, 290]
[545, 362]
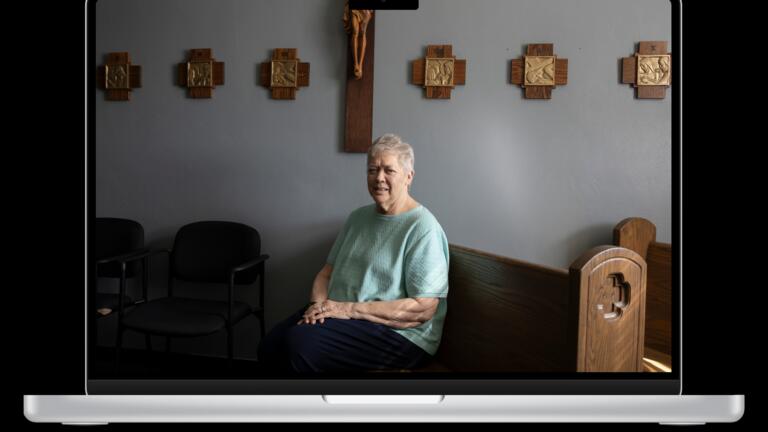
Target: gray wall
[536, 180]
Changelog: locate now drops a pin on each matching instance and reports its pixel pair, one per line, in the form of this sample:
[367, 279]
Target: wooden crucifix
[439, 72]
[648, 70]
[284, 74]
[539, 71]
[358, 127]
[118, 77]
[201, 73]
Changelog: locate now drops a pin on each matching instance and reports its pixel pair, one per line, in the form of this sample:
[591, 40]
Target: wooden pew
[506, 315]
[639, 235]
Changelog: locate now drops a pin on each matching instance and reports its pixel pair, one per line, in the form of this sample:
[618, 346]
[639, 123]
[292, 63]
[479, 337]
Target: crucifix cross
[358, 126]
[284, 74]
[118, 77]
[649, 70]
[439, 72]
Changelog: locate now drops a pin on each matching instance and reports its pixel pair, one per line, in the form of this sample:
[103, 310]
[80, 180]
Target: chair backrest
[115, 236]
[207, 251]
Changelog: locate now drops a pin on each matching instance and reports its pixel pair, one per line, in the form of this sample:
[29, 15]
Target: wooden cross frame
[439, 72]
[118, 77]
[284, 74]
[201, 73]
[649, 70]
[539, 71]
[358, 129]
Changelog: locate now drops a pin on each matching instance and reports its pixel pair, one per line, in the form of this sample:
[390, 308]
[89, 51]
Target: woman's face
[387, 180]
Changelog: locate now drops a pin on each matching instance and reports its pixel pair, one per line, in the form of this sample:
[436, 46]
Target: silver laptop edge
[460, 408]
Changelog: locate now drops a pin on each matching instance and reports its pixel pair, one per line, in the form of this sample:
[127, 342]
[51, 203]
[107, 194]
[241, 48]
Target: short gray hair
[393, 144]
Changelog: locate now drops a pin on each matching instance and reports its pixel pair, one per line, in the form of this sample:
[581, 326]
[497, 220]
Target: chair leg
[118, 347]
[148, 341]
[95, 331]
[230, 347]
[167, 344]
[261, 325]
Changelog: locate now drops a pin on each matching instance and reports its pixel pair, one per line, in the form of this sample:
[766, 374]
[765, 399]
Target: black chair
[226, 253]
[117, 245]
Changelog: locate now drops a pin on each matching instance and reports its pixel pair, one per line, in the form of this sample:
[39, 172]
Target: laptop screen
[427, 197]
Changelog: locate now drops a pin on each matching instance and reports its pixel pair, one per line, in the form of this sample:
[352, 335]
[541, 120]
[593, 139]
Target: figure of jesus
[356, 23]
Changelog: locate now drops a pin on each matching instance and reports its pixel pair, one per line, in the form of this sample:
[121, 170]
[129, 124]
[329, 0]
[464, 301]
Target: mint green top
[378, 257]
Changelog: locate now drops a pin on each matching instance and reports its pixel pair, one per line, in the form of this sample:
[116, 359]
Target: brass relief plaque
[540, 70]
[284, 73]
[200, 74]
[439, 72]
[653, 70]
[116, 77]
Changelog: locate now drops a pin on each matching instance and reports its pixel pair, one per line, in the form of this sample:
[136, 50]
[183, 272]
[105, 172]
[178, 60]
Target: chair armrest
[125, 257]
[133, 256]
[153, 252]
[249, 264]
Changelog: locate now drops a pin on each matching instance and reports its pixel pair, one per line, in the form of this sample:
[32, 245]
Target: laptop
[532, 332]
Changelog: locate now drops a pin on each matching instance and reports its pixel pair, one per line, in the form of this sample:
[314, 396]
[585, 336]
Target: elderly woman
[379, 301]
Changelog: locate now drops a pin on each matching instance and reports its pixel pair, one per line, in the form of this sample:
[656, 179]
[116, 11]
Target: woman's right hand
[318, 296]
[311, 314]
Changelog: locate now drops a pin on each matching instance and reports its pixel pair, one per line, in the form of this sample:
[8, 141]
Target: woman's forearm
[403, 313]
[319, 289]
[320, 285]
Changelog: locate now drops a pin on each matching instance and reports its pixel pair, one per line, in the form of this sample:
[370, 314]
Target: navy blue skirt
[337, 345]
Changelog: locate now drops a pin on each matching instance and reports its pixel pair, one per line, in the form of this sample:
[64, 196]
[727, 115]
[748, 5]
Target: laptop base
[452, 408]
